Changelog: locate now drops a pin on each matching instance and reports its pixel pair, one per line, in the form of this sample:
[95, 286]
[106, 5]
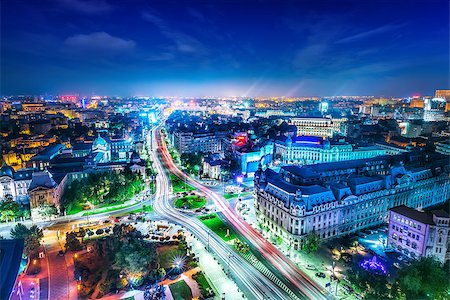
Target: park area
[168, 254]
[103, 191]
[180, 290]
[179, 186]
[229, 196]
[213, 222]
[190, 202]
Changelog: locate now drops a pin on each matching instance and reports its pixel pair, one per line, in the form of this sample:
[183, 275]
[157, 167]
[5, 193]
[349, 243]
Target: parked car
[397, 265]
[320, 275]
[347, 288]
[400, 257]
[310, 267]
[60, 253]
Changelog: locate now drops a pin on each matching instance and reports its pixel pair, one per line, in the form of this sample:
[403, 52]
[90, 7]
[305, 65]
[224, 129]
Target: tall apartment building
[340, 198]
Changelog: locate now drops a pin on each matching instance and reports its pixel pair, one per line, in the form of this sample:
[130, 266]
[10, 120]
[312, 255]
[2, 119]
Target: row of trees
[10, 210]
[108, 187]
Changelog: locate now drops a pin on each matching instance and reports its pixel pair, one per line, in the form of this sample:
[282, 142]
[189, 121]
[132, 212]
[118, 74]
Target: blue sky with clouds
[243, 48]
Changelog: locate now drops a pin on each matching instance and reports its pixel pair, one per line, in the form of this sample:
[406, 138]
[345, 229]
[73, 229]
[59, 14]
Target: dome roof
[6, 170]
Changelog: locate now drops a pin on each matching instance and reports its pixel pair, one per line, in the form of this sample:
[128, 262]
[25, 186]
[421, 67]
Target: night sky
[241, 48]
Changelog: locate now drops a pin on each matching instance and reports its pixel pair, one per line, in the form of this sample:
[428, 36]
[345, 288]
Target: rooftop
[420, 216]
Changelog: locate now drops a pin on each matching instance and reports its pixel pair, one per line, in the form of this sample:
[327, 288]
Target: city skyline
[296, 48]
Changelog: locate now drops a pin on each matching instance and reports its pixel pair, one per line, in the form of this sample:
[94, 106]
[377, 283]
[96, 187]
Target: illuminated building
[14, 184]
[443, 147]
[212, 166]
[189, 142]
[434, 110]
[340, 198]
[248, 159]
[323, 106]
[417, 102]
[44, 189]
[33, 107]
[306, 150]
[105, 149]
[325, 127]
[42, 160]
[419, 233]
[445, 94]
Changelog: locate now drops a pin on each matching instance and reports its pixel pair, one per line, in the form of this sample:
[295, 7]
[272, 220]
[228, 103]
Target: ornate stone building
[14, 184]
[335, 199]
[44, 189]
[306, 150]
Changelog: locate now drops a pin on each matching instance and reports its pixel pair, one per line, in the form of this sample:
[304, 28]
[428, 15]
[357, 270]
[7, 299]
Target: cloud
[369, 33]
[184, 43]
[89, 7]
[165, 56]
[98, 42]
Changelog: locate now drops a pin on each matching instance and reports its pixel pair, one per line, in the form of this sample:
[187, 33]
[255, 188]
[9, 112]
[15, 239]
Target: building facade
[443, 147]
[419, 233]
[189, 142]
[324, 127]
[14, 184]
[306, 150]
[335, 199]
[249, 159]
[44, 189]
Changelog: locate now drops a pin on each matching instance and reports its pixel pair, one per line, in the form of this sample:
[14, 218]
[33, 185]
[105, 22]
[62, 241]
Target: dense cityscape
[297, 196]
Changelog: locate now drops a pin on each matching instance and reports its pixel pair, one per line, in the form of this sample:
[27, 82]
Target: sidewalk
[214, 272]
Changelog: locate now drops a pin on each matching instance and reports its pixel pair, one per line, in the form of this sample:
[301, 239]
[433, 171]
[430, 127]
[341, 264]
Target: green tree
[72, 242]
[312, 242]
[423, 279]
[32, 237]
[20, 231]
[47, 211]
[9, 210]
[136, 258]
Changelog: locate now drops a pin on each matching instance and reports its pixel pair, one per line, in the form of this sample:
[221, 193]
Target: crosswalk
[264, 270]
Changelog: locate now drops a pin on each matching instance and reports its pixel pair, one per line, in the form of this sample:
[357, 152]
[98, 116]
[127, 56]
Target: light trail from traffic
[255, 284]
[286, 267]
